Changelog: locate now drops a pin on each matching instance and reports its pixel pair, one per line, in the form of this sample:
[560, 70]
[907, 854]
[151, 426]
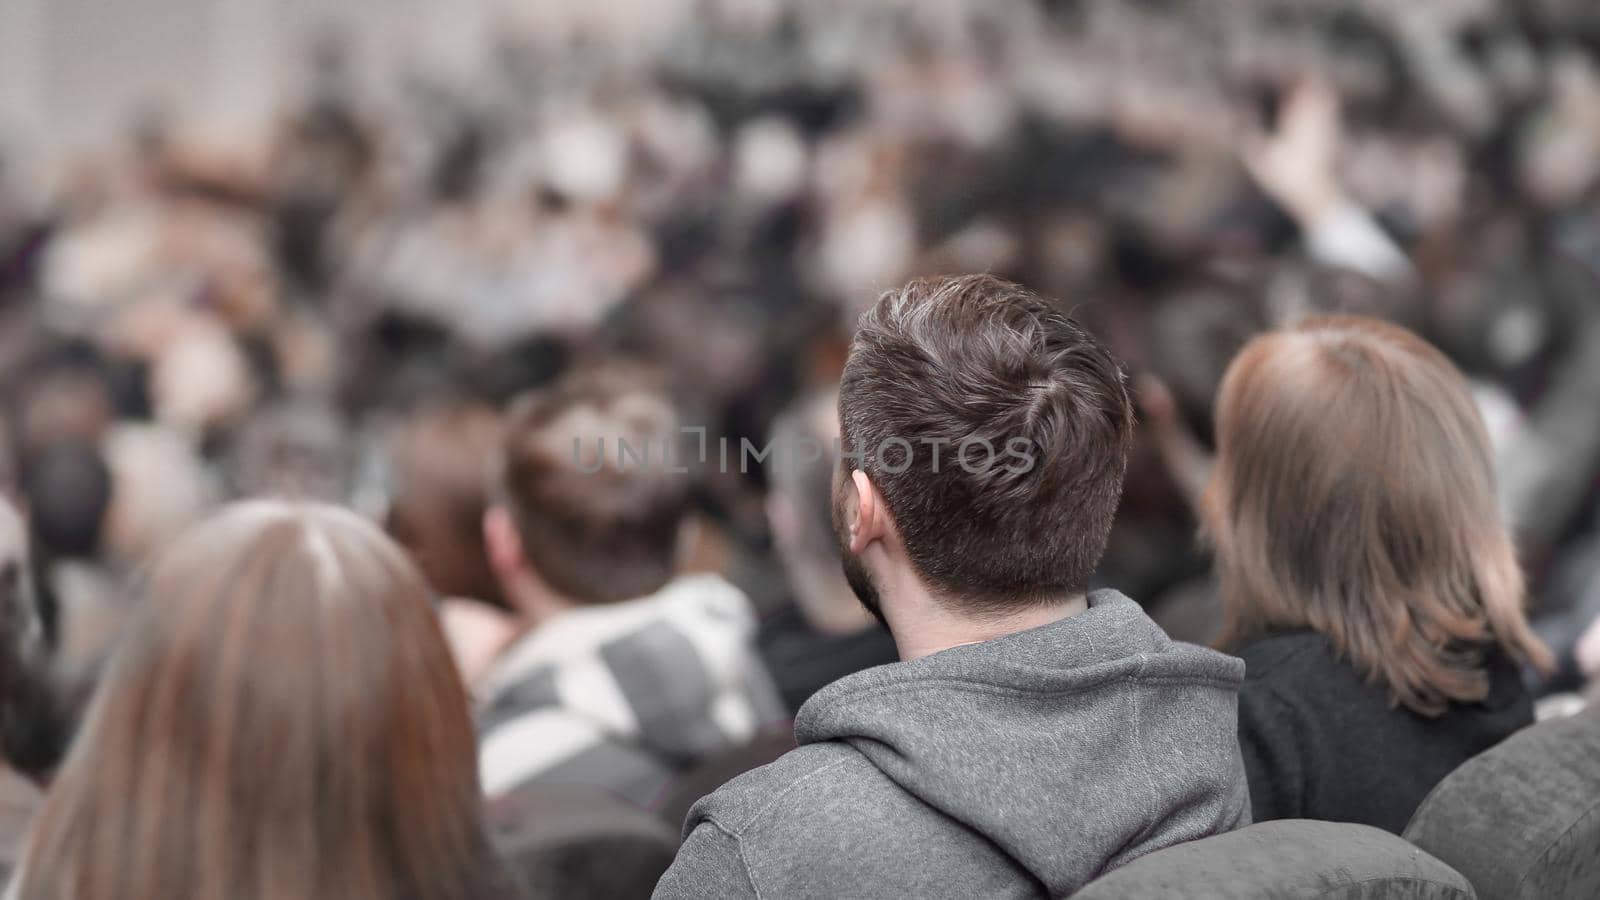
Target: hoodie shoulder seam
[984, 687]
[1144, 750]
[748, 820]
[744, 862]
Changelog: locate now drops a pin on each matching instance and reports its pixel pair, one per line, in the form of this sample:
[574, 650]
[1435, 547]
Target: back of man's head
[585, 475]
[997, 431]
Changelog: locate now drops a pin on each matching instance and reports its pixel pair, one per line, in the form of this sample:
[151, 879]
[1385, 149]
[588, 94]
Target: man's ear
[502, 542]
[868, 520]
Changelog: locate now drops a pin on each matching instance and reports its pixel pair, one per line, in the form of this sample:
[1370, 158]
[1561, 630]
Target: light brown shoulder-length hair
[1354, 495]
[281, 720]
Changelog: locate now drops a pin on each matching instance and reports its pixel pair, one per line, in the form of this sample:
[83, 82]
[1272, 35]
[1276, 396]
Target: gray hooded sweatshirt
[1022, 766]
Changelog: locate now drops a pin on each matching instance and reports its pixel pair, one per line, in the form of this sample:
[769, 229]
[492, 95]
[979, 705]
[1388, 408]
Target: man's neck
[535, 602]
[932, 625]
[838, 613]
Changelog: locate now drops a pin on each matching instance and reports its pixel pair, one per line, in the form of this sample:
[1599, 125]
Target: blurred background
[298, 246]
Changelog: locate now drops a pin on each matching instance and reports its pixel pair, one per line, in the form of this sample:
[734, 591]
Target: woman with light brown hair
[1367, 577]
[281, 720]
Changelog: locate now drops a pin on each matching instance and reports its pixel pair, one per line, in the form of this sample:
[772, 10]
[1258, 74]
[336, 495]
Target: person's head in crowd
[1332, 290]
[439, 464]
[67, 486]
[585, 509]
[652, 666]
[1192, 337]
[67, 402]
[828, 634]
[801, 517]
[280, 720]
[160, 486]
[33, 724]
[201, 380]
[1033, 422]
[1354, 494]
[299, 448]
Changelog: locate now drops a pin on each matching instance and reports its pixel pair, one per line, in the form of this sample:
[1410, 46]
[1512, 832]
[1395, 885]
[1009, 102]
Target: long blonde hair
[1354, 494]
[282, 720]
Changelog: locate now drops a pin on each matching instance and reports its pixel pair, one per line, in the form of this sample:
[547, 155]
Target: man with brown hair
[628, 672]
[1034, 735]
[826, 634]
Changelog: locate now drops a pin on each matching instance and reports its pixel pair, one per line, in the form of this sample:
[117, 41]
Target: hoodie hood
[1074, 747]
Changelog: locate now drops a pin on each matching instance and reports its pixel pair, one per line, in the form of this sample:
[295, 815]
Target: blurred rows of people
[345, 312]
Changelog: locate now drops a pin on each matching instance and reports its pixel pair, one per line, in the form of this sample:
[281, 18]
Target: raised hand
[1296, 164]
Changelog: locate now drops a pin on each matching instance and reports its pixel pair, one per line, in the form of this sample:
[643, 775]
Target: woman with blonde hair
[1367, 577]
[281, 720]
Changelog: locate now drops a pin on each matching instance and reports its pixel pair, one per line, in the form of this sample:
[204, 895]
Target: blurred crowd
[341, 313]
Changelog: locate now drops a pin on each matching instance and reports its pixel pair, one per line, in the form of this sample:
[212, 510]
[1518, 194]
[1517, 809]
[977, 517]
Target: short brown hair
[282, 718]
[1354, 495]
[597, 523]
[944, 361]
[439, 464]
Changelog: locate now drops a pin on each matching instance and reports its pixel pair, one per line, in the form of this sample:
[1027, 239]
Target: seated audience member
[67, 486]
[41, 691]
[828, 634]
[439, 463]
[82, 607]
[281, 719]
[1367, 578]
[628, 671]
[35, 726]
[1033, 737]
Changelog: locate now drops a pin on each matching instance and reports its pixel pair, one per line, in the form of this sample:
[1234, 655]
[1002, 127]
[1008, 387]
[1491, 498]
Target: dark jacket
[1022, 766]
[1320, 742]
[802, 660]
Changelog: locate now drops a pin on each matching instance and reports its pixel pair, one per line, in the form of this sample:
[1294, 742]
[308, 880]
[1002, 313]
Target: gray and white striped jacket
[624, 696]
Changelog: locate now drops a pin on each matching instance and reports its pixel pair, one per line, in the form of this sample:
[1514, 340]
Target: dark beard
[860, 582]
[855, 574]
